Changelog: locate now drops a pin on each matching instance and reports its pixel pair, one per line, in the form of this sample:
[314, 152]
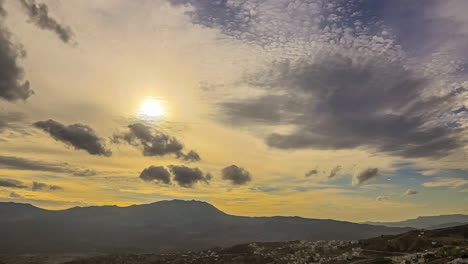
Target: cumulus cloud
[311, 172]
[236, 175]
[16, 163]
[154, 142]
[39, 186]
[365, 176]
[338, 101]
[153, 173]
[411, 192]
[39, 15]
[187, 177]
[446, 182]
[382, 198]
[77, 135]
[11, 183]
[13, 87]
[15, 195]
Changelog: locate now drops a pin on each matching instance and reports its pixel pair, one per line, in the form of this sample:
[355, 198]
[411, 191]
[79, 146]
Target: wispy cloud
[446, 182]
[382, 198]
[40, 186]
[16, 163]
[11, 183]
[411, 192]
[39, 15]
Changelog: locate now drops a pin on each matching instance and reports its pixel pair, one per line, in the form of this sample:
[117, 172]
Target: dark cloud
[11, 183]
[365, 176]
[55, 188]
[191, 156]
[39, 15]
[461, 110]
[338, 102]
[39, 186]
[12, 84]
[153, 173]
[77, 135]
[237, 175]
[16, 163]
[154, 142]
[188, 177]
[334, 171]
[382, 198]
[411, 192]
[15, 195]
[231, 17]
[311, 172]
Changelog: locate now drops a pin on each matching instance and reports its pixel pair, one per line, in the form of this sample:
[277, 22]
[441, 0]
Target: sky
[353, 110]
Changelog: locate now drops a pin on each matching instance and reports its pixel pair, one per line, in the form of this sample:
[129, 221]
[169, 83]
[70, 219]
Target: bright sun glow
[152, 108]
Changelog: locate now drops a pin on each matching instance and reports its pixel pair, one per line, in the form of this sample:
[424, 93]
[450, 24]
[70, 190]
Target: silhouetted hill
[417, 240]
[164, 226]
[428, 222]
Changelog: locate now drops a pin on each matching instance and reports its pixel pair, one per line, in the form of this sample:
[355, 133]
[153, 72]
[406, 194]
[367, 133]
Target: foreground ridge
[448, 245]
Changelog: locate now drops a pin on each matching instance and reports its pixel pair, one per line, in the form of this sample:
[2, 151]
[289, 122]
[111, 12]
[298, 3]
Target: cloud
[337, 101]
[429, 172]
[446, 182]
[191, 156]
[153, 173]
[411, 192]
[154, 142]
[187, 177]
[15, 195]
[39, 15]
[11, 183]
[365, 176]
[83, 172]
[77, 135]
[382, 198]
[334, 171]
[229, 16]
[237, 175]
[340, 77]
[16, 163]
[311, 172]
[10, 120]
[13, 87]
[39, 186]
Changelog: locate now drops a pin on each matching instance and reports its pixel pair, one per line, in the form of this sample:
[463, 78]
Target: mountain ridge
[427, 222]
[163, 226]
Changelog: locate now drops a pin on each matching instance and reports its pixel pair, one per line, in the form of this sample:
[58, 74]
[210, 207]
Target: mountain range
[428, 222]
[165, 226]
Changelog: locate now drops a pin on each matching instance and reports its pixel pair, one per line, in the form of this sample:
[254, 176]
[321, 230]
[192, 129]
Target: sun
[152, 108]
